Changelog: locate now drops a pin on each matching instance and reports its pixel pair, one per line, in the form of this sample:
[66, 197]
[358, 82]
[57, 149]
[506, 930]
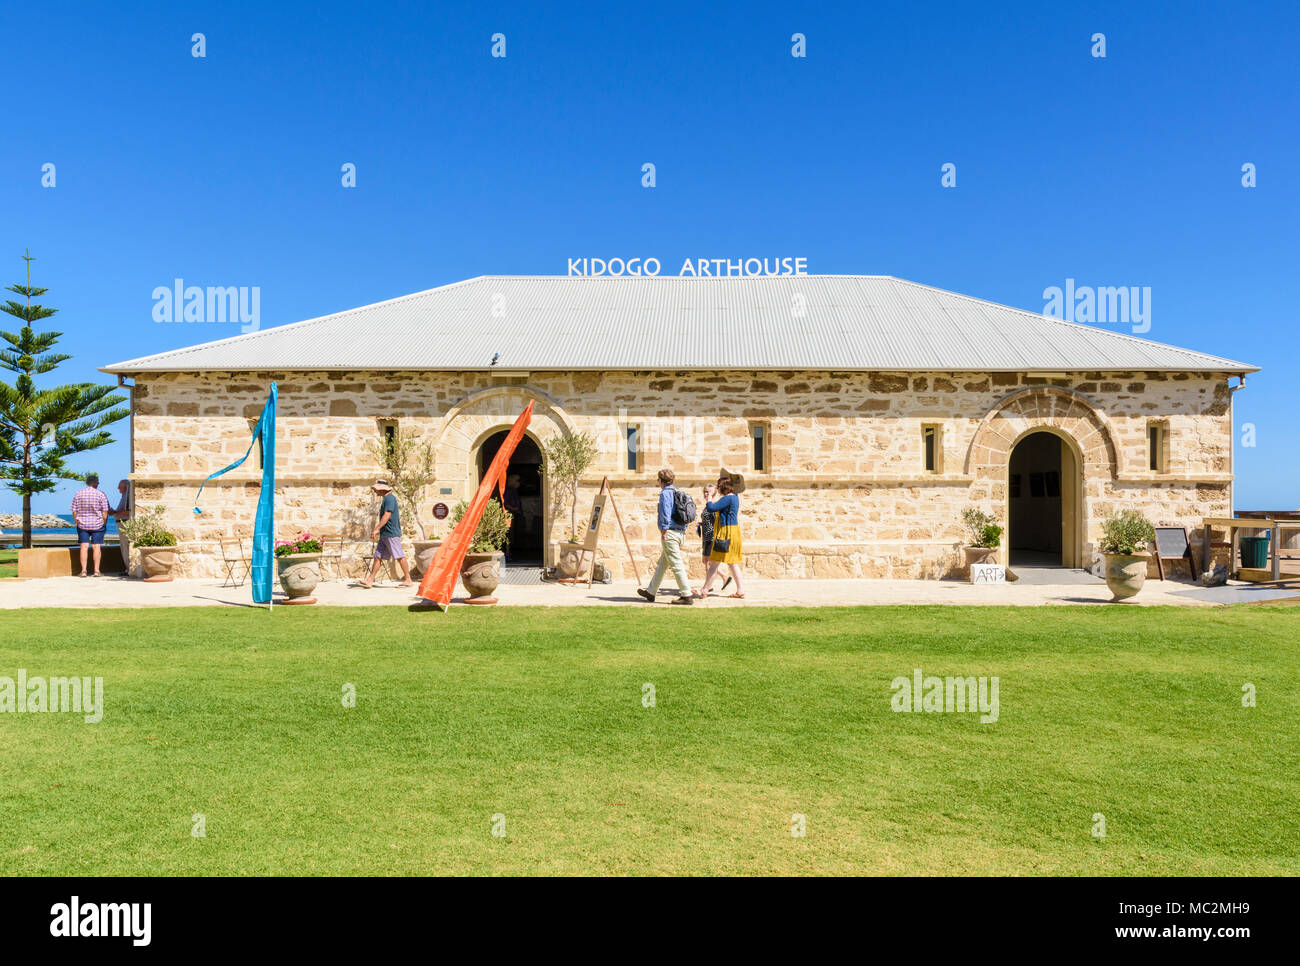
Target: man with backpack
[676, 512]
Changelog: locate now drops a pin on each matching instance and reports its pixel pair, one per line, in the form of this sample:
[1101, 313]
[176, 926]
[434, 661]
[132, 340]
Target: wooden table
[1234, 524]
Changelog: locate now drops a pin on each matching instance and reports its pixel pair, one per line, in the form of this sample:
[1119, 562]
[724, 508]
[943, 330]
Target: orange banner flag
[440, 579]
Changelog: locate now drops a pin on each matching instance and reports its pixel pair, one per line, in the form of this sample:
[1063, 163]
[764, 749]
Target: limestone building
[865, 413]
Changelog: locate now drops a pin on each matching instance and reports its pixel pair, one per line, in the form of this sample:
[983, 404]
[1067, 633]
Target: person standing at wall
[123, 512]
[672, 532]
[90, 514]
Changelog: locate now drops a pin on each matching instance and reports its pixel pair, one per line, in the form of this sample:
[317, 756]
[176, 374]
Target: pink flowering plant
[305, 543]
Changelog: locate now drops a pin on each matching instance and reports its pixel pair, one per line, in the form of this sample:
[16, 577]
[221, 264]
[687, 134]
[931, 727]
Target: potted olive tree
[409, 467]
[156, 544]
[568, 456]
[1125, 539]
[297, 563]
[481, 570]
[984, 536]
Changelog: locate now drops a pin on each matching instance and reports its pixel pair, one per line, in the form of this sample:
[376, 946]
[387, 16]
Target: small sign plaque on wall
[983, 573]
[440, 511]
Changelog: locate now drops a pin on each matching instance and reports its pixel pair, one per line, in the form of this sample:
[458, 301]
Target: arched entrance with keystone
[473, 429]
[1042, 456]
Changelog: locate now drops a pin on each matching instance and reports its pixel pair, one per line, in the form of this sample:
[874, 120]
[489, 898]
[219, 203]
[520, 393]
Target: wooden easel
[1176, 546]
[593, 533]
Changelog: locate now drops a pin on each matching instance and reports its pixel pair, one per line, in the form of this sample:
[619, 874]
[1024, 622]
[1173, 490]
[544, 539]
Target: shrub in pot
[983, 536]
[1125, 539]
[480, 572]
[568, 456]
[155, 543]
[297, 564]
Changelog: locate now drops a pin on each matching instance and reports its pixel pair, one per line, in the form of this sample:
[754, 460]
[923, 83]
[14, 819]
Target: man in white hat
[387, 536]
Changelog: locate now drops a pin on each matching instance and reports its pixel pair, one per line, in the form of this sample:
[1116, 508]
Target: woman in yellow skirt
[726, 534]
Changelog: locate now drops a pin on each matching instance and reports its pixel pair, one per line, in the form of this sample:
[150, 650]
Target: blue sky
[225, 170]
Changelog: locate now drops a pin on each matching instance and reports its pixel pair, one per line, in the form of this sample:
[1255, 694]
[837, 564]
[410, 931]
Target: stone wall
[845, 491]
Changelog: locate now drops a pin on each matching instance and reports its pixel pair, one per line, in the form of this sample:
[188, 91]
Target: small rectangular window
[1157, 437]
[932, 448]
[254, 460]
[388, 432]
[759, 435]
[633, 447]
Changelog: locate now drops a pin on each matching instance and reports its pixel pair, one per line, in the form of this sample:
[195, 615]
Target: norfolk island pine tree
[41, 428]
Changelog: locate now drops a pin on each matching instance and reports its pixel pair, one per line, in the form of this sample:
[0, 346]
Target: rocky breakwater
[40, 521]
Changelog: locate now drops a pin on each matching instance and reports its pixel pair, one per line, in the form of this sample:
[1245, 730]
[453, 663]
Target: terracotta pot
[1126, 573]
[480, 574]
[157, 563]
[299, 574]
[976, 555]
[424, 551]
[568, 561]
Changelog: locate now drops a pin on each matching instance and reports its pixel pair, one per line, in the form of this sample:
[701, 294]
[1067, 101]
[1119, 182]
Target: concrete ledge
[41, 562]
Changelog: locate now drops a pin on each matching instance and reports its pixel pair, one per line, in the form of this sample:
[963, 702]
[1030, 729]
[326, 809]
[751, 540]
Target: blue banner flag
[264, 524]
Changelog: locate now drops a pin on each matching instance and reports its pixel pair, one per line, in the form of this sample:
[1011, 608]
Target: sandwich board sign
[1172, 543]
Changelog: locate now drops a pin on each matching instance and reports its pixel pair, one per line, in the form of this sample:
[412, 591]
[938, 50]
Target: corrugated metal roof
[849, 322]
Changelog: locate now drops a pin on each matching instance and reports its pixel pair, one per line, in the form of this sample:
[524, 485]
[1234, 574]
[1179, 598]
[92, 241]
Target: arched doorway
[523, 490]
[1043, 513]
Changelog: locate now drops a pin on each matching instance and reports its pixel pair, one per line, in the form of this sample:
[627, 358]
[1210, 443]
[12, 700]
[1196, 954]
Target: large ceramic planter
[157, 563]
[480, 574]
[1125, 573]
[569, 559]
[977, 555]
[424, 551]
[299, 574]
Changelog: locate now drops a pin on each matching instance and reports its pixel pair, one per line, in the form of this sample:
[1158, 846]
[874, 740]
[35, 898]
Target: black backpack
[683, 507]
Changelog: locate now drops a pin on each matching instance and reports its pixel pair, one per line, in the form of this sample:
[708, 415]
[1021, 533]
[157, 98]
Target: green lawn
[8, 563]
[536, 714]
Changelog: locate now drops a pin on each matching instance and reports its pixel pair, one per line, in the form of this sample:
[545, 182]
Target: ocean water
[69, 530]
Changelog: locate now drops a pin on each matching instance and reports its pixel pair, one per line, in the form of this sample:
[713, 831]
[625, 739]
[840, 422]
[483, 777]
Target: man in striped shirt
[90, 513]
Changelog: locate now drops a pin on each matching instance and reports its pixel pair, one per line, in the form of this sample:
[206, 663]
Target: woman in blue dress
[726, 534]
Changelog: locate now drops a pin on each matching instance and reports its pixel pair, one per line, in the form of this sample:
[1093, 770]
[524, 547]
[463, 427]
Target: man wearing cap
[387, 536]
[90, 513]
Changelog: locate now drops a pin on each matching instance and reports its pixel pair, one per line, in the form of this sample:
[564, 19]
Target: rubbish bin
[1254, 552]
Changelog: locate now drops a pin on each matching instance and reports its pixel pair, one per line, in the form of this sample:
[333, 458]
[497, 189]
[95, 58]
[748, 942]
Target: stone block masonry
[844, 491]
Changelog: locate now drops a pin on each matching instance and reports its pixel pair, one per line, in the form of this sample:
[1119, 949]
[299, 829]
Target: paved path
[118, 592]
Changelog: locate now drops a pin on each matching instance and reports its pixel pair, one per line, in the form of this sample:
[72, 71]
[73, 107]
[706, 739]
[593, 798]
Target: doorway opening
[523, 497]
[1043, 488]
